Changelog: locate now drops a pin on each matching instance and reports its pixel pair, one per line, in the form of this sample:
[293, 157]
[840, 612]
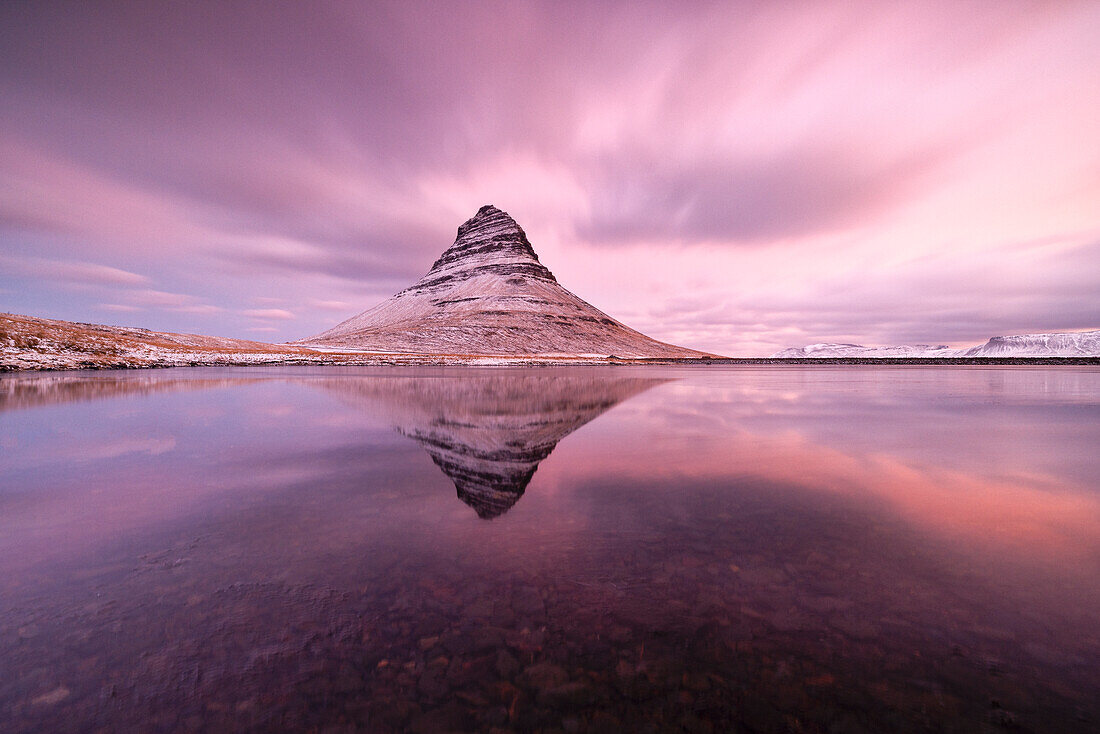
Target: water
[583, 549]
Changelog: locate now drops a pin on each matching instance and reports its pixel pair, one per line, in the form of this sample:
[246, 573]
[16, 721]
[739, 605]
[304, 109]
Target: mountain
[488, 431]
[1065, 344]
[488, 294]
[857, 350]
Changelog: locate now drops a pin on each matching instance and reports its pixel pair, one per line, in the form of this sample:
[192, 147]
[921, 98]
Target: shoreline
[63, 363]
[32, 344]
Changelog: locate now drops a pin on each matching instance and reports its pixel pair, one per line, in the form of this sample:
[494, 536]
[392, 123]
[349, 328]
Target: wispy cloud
[339, 306]
[275, 314]
[865, 170]
[198, 308]
[764, 199]
[150, 297]
[68, 271]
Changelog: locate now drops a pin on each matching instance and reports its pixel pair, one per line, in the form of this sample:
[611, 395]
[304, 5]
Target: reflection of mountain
[21, 391]
[488, 431]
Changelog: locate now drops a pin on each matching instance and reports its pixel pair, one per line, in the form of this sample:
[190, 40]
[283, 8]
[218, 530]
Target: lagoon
[756, 548]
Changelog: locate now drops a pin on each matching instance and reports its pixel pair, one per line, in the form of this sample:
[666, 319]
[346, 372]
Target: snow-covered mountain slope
[489, 431]
[1067, 344]
[489, 294]
[857, 350]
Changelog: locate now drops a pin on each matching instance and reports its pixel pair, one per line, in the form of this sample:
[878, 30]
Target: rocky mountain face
[488, 294]
[488, 432]
[1066, 344]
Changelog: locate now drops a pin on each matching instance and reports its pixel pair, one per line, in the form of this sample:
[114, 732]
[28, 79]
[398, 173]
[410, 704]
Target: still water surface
[575, 549]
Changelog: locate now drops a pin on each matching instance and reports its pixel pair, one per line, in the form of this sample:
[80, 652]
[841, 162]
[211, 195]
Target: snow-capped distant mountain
[1068, 344]
[489, 294]
[1065, 344]
[858, 350]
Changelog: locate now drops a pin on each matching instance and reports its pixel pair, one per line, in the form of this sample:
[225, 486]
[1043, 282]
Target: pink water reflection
[878, 528]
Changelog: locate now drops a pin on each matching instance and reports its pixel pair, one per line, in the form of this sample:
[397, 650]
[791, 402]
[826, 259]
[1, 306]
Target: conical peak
[488, 294]
[491, 239]
[489, 217]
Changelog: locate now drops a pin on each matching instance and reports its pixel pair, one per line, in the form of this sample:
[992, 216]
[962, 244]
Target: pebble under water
[758, 549]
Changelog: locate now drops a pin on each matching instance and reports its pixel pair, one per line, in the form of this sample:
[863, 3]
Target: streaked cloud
[275, 314]
[737, 177]
[759, 200]
[198, 308]
[68, 271]
[340, 306]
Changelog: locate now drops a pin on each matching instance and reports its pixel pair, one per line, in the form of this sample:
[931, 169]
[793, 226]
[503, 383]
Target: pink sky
[735, 177]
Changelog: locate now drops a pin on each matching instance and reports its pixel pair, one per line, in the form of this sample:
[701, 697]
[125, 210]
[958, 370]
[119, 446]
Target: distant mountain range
[488, 294]
[1064, 344]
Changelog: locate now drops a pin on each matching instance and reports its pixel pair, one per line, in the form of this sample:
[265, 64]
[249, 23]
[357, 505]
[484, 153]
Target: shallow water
[577, 549]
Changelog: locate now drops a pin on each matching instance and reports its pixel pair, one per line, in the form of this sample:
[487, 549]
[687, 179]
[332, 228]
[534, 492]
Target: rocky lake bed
[746, 550]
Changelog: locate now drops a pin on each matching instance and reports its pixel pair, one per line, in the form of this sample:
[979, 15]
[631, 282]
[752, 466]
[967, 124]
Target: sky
[733, 177]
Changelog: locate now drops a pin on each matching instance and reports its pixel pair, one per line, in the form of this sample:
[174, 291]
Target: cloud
[199, 308]
[766, 199]
[961, 298]
[338, 306]
[277, 314]
[299, 258]
[150, 297]
[69, 271]
[807, 170]
[46, 192]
